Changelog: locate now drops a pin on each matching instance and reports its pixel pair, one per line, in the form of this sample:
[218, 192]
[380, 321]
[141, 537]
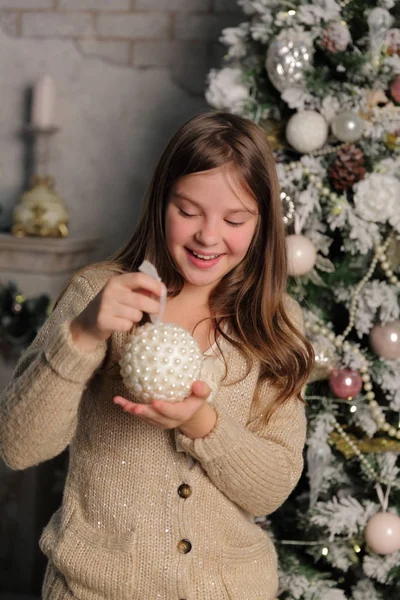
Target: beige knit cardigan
[138, 521]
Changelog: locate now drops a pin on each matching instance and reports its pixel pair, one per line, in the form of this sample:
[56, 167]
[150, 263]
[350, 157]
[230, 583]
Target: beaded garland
[385, 264]
[372, 473]
[339, 341]
[376, 410]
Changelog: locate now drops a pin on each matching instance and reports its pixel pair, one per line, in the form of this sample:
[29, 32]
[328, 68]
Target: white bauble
[307, 131]
[347, 126]
[385, 340]
[301, 255]
[382, 533]
[161, 362]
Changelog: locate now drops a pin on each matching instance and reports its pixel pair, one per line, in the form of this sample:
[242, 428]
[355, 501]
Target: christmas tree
[323, 80]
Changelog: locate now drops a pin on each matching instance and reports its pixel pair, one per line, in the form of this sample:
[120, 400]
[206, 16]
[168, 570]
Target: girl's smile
[210, 222]
[203, 260]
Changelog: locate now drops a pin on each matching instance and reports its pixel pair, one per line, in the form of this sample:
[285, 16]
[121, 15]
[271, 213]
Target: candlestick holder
[41, 211]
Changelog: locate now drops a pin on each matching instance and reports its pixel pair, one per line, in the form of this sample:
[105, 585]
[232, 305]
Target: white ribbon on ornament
[298, 223]
[149, 269]
[383, 498]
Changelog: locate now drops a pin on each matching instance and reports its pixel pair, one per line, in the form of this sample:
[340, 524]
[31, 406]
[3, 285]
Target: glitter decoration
[161, 362]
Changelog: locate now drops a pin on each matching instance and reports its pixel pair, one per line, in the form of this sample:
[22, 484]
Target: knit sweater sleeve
[38, 408]
[257, 465]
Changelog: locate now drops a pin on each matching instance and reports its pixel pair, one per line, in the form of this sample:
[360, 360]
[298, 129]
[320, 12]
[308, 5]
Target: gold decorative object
[392, 141]
[365, 445]
[393, 251]
[324, 363]
[275, 133]
[41, 211]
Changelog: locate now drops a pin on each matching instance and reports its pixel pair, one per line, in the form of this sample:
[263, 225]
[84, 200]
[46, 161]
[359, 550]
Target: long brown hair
[251, 297]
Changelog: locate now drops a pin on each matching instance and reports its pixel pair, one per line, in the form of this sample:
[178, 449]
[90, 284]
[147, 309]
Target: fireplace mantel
[42, 265]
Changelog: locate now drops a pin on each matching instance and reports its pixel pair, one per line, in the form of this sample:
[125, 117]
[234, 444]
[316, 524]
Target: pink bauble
[385, 340]
[382, 533]
[345, 383]
[301, 254]
[395, 89]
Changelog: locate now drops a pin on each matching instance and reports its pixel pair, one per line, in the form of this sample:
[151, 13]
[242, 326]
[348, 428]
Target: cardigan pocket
[251, 572]
[96, 564]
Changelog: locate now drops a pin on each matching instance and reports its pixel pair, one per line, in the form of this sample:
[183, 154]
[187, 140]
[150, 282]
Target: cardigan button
[184, 490]
[184, 546]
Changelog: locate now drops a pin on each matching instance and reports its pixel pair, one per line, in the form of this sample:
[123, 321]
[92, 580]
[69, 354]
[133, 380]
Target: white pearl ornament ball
[307, 131]
[161, 362]
[301, 255]
[382, 533]
[385, 340]
[347, 126]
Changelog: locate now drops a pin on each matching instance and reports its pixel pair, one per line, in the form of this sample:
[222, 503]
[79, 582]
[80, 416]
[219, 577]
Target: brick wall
[180, 35]
[115, 116]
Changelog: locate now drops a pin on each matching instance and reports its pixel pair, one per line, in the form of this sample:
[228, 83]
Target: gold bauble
[275, 133]
[41, 211]
[324, 362]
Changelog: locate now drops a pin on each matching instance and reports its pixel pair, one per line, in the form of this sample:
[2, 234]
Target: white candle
[44, 96]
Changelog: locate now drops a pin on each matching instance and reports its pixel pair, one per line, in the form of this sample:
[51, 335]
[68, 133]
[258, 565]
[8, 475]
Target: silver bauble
[347, 126]
[325, 362]
[288, 56]
[307, 131]
[161, 362]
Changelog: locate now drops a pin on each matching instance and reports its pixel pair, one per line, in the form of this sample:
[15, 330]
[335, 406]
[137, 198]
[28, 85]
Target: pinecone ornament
[347, 168]
[336, 37]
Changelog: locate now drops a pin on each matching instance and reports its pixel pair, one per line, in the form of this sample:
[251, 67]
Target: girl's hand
[117, 307]
[194, 416]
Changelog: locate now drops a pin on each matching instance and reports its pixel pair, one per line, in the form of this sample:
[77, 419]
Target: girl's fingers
[129, 313]
[123, 402]
[140, 301]
[178, 411]
[121, 324]
[200, 389]
[135, 281]
[145, 412]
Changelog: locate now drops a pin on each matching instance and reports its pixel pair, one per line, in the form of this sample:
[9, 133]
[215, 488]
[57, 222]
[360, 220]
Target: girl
[160, 499]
